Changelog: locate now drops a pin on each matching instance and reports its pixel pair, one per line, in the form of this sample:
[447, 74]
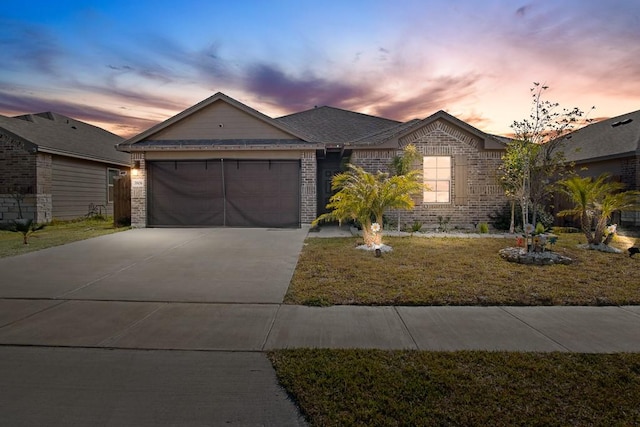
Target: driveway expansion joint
[59, 302]
[120, 334]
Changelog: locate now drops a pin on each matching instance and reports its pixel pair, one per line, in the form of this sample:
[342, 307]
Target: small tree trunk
[525, 215]
[598, 234]
[585, 224]
[512, 225]
[534, 215]
[371, 238]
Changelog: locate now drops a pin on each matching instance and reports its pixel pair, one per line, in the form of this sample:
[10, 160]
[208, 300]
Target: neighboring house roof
[334, 125]
[607, 139]
[149, 133]
[57, 134]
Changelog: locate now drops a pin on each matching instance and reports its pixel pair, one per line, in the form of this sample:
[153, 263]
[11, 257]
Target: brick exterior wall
[308, 191]
[631, 173]
[17, 173]
[373, 160]
[631, 177]
[475, 193]
[139, 192]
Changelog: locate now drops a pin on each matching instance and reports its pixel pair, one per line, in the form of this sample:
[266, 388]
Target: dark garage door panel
[248, 194]
[185, 193]
[262, 193]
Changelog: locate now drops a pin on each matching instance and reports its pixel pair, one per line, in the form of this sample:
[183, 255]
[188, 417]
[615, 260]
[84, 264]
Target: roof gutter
[82, 157]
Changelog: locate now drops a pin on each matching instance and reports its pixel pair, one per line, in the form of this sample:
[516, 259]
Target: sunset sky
[126, 65]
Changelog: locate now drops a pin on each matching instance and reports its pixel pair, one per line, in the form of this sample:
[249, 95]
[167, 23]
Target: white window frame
[437, 176]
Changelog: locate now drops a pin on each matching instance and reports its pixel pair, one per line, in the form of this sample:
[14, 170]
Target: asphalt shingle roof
[381, 136]
[605, 139]
[55, 133]
[334, 125]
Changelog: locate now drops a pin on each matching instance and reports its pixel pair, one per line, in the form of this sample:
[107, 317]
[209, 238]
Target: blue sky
[126, 65]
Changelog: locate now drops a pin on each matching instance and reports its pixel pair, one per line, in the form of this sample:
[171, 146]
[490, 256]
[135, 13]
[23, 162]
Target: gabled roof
[490, 142]
[334, 125]
[57, 134]
[218, 97]
[385, 134]
[313, 128]
[611, 138]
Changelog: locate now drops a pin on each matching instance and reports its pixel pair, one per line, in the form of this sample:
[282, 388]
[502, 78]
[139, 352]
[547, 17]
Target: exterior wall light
[136, 168]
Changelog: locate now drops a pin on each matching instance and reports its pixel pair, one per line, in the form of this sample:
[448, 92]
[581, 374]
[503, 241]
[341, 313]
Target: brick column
[44, 185]
[139, 193]
[309, 187]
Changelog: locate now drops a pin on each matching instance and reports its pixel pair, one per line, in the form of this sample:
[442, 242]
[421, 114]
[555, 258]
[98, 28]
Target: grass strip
[470, 388]
[459, 271]
[55, 234]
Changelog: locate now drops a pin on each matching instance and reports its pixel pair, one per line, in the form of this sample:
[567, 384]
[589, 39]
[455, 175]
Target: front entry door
[327, 168]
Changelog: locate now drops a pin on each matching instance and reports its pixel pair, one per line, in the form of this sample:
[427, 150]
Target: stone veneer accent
[476, 192]
[29, 173]
[44, 199]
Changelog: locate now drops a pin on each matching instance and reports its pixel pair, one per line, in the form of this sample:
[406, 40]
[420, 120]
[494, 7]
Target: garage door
[234, 193]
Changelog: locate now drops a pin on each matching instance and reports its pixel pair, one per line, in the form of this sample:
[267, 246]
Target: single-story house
[222, 163]
[57, 166]
[611, 146]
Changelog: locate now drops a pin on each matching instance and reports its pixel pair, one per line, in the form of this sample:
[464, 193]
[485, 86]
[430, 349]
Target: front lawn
[414, 388]
[460, 271]
[55, 234]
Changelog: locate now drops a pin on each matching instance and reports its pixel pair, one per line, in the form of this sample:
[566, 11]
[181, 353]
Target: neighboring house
[222, 163]
[611, 146]
[58, 166]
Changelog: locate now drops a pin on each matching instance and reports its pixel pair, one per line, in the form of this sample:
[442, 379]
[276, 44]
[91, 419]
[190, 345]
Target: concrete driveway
[138, 289]
[230, 265]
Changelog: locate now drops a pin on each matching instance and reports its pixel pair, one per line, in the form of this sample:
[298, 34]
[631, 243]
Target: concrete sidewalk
[44, 386]
[259, 327]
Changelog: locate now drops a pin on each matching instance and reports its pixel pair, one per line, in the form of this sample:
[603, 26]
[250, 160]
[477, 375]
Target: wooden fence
[122, 201]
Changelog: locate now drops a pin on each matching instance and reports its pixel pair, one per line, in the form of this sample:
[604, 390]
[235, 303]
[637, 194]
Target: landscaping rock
[521, 256]
[601, 247]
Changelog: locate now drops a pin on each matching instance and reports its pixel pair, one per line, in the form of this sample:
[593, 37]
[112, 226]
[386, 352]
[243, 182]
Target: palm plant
[24, 226]
[405, 163]
[595, 201]
[364, 196]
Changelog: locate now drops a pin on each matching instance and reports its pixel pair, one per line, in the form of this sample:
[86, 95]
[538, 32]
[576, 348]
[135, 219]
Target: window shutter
[461, 183]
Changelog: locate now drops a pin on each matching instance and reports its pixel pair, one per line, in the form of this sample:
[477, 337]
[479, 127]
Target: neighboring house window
[111, 174]
[437, 177]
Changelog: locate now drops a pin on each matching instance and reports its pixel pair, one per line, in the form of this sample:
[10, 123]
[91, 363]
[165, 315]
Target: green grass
[55, 234]
[459, 271]
[413, 388]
